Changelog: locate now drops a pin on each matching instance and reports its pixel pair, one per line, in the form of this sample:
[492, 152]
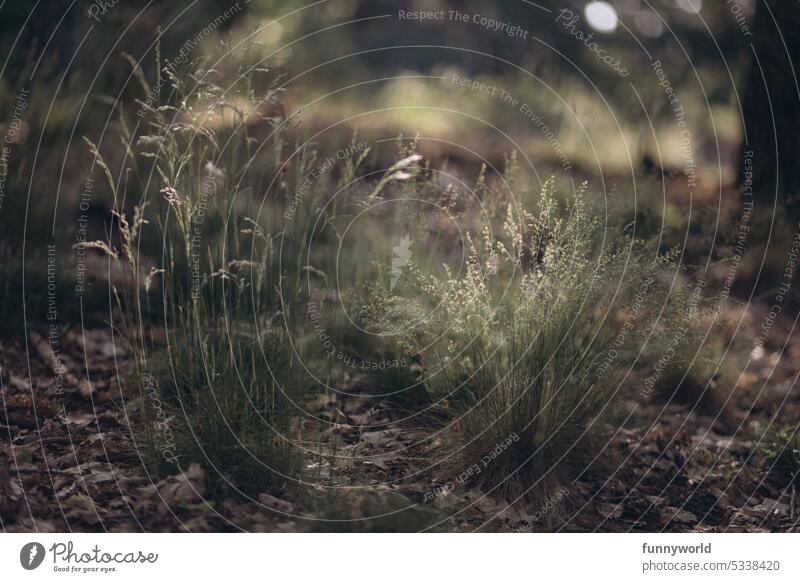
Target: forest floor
[69, 462]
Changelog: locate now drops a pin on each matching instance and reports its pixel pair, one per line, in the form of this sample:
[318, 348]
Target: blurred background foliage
[346, 65]
[332, 45]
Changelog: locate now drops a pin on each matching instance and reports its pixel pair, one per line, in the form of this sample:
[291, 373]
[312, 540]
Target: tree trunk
[771, 106]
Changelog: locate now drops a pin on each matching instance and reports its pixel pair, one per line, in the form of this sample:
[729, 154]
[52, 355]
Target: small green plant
[782, 452]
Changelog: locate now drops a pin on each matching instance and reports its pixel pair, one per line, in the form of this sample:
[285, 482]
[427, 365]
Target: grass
[528, 320]
[781, 448]
[527, 346]
[219, 386]
[519, 325]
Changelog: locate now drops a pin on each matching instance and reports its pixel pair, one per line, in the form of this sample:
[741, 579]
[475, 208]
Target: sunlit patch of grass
[516, 344]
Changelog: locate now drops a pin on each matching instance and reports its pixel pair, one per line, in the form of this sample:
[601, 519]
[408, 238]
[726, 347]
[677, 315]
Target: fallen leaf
[610, 510]
[274, 503]
[188, 486]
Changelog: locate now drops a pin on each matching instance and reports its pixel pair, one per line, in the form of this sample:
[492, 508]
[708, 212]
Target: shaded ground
[68, 461]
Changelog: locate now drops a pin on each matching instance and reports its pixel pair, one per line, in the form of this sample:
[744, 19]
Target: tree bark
[771, 106]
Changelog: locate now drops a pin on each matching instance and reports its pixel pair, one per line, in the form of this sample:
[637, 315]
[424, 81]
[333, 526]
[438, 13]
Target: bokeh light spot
[601, 16]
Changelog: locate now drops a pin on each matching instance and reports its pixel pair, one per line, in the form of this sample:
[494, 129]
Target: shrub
[529, 346]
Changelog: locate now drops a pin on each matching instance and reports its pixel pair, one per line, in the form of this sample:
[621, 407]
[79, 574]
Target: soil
[69, 460]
